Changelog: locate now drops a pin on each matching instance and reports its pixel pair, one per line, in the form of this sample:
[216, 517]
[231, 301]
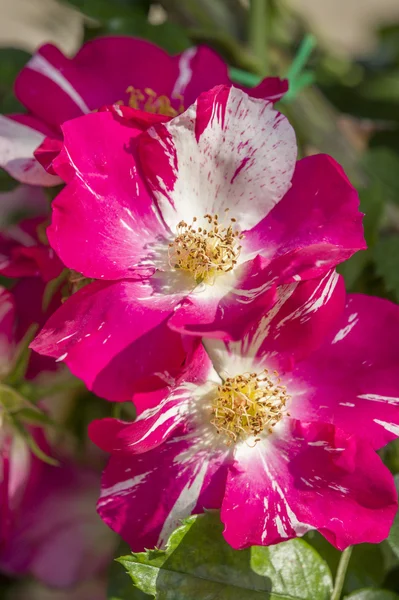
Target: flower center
[150, 101]
[248, 405]
[206, 252]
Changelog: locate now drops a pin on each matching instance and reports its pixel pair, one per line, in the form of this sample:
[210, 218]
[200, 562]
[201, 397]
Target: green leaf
[22, 354]
[119, 583]
[199, 564]
[393, 539]
[386, 259]
[372, 594]
[10, 399]
[32, 445]
[34, 416]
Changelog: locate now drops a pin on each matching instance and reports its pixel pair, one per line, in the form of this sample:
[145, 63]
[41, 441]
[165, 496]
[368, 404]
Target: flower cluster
[194, 258]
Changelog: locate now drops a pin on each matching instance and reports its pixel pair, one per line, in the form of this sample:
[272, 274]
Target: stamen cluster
[249, 404]
[205, 252]
[149, 101]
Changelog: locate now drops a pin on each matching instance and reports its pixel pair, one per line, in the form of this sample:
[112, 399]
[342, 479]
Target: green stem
[258, 30]
[341, 573]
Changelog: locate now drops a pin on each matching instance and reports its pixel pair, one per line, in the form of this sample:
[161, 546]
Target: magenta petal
[20, 135]
[271, 88]
[104, 222]
[353, 381]
[114, 336]
[227, 150]
[56, 88]
[145, 497]
[291, 330]
[315, 226]
[57, 536]
[22, 254]
[308, 476]
[200, 69]
[300, 320]
[145, 433]
[223, 312]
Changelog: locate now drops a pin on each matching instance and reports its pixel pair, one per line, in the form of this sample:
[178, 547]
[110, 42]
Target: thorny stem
[341, 573]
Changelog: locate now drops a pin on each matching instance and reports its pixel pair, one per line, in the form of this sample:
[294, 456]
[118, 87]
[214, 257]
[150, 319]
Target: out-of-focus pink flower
[187, 226]
[26, 256]
[278, 430]
[24, 252]
[55, 534]
[107, 70]
[48, 525]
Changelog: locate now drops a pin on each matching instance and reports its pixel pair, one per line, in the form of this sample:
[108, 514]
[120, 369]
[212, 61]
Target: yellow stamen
[247, 405]
[206, 253]
[149, 101]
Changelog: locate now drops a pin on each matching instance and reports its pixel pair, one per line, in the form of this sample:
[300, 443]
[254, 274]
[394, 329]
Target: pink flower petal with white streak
[156, 423]
[20, 135]
[145, 497]
[308, 476]
[228, 150]
[115, 337]
[104, 223]
[353, 381]
[226, 308]
[57, 88]
[292, 329]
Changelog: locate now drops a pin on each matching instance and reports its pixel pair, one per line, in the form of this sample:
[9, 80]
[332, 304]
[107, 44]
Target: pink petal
[56, 88]
[226, 151]
[315, 226]
[20, 135]
[200, 69]
[271, 88]
[223, 311]
[353, 381]
[47, 152]
[145, 497]
[22, 254]
[147, 432]
[114, 336]
[156, 423]
[308, 476]
[58, 537]
[104, 222]
[292, 329]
